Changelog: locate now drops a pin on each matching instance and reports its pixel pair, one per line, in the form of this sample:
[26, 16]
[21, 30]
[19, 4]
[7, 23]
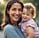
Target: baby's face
[26, 15]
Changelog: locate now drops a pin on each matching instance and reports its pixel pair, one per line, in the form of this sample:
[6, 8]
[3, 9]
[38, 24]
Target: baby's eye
[27, 14]
[19, 9]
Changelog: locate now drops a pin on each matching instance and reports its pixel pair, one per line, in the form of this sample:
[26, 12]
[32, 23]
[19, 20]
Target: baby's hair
[31, 7]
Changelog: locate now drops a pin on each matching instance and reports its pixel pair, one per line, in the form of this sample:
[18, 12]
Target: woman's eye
[23, 13]
[14, 9]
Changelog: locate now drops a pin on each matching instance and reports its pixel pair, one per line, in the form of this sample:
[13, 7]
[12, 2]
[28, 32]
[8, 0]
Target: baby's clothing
[31, 23]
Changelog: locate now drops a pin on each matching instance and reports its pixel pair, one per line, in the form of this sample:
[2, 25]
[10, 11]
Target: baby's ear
[32, 16]
[34, 12]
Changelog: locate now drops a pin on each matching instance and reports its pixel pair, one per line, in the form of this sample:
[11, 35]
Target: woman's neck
[14, 23]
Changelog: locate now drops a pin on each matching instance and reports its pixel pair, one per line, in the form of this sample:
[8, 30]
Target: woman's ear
[7, 11]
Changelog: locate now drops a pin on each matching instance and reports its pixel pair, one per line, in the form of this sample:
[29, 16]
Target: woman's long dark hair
[7, 17]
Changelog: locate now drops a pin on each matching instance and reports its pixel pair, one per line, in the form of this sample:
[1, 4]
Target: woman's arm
[30, 32]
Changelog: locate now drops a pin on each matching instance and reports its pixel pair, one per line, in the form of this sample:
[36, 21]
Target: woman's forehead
[16, 5]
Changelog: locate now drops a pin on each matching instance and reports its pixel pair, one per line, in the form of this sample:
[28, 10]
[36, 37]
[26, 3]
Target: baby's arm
[30, 32]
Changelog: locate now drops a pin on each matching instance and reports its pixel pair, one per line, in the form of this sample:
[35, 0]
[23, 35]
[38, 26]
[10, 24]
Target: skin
[26, 16]
[15, 13]
[30, 32]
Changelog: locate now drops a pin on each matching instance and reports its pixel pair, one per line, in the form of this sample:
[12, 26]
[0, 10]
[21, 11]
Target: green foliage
[1, 8]
[1, 16]
[25, 1]
[5, 0]
[1, 12]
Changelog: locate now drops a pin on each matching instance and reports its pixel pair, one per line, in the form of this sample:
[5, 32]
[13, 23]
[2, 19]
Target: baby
[28, 25]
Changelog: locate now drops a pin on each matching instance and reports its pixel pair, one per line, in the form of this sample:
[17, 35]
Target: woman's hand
[30, 32]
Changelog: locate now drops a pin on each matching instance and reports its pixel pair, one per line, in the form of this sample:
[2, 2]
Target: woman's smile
[15, 12]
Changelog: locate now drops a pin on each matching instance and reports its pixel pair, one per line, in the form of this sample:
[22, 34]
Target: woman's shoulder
[8, 27]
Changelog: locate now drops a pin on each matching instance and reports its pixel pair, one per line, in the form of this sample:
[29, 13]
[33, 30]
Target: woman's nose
[17, 12]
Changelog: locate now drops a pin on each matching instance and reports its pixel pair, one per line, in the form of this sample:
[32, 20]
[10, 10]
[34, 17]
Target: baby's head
[29, 11]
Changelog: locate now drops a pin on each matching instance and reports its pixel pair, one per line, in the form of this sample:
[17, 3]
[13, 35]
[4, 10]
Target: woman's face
[15, 12]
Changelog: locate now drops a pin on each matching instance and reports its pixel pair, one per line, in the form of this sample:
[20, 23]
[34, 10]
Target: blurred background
[2, 10]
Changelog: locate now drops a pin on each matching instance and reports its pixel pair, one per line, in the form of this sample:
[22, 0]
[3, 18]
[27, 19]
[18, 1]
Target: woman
[13, 15]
